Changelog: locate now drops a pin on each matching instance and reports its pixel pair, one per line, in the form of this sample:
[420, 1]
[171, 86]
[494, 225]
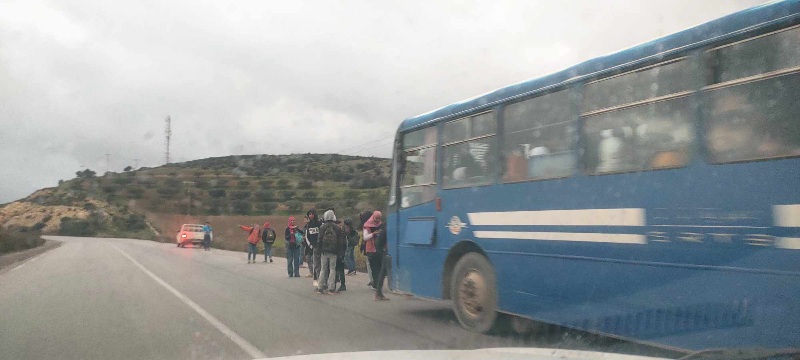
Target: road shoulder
[9, 261]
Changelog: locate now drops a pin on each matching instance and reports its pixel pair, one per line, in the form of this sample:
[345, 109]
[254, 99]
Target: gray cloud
[80, 79]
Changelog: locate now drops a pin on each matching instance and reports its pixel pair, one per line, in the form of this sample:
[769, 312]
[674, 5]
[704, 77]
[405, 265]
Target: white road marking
[564, 236]
[582, 217]
[17, 267]
[244, 344]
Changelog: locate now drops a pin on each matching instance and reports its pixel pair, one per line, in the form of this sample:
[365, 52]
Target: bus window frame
[575, 94]
[692, 93]
[710, 84]
[402, 164]
[491, 172]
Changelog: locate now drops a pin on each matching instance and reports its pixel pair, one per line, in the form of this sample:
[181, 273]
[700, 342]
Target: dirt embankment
[26, 215]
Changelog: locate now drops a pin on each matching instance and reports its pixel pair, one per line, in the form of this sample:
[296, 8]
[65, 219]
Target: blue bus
[652, 194]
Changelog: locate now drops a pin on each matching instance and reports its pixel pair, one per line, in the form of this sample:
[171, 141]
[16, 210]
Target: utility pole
[189, 191]
[136, 164]
[167, 134]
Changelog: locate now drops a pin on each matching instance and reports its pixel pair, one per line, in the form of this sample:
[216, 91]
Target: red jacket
[255, 233]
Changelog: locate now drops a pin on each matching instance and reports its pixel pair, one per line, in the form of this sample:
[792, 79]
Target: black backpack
[328, 239]
[268, 236]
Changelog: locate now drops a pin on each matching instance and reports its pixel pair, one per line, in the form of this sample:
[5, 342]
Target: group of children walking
[327, 245]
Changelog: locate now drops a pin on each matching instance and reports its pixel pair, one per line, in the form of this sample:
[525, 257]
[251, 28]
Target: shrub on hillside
[368, 182]
[287, 195]
[266, 208]
[201, 183]
[310, 195]
[135, 192]
[167, 192]
[305, 184]
[13, 240]
[216, 193]
[294, 206]
[240, 195]
[130, 222]
[78, 227]
[241, 207]
[265, 195]
[265, 184]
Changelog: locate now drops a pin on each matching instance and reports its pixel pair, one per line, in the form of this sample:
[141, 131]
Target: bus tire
[473, 289]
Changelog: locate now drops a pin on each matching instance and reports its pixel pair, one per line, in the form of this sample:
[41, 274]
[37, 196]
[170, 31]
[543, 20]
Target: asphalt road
[95, 298]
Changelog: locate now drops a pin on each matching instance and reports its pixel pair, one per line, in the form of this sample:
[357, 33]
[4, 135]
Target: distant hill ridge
[117, 204]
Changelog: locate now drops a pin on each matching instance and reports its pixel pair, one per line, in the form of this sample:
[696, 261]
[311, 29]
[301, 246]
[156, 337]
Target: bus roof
[729, 25]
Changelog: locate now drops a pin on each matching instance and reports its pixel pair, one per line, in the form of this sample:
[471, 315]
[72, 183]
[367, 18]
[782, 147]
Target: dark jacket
[380, 240]
[350, 235]
[312, 228]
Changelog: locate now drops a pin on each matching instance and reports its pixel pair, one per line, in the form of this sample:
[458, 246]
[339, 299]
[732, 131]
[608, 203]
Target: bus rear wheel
[474, 293]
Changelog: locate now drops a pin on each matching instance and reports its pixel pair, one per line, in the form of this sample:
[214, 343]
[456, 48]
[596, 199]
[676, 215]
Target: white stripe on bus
[564, 236]
[788, 243]
[583, 217]
[786, 215]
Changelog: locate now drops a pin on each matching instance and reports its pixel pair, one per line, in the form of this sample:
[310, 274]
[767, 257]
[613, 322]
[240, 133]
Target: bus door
[416, 217]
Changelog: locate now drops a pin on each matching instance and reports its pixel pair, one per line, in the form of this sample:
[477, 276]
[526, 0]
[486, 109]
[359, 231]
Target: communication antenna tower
[167, 134]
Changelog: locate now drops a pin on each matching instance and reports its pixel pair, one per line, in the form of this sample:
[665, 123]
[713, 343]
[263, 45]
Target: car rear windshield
[194, 228]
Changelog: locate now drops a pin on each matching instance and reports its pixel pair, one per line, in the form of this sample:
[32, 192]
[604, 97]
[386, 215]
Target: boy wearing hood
[293, 236]
[268, 237]
[312, 235]
[330, 240]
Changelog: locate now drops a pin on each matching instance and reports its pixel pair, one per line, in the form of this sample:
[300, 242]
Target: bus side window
[651, 136]
[755, 120]
[539, 136]
[468, 149]
[653, 130]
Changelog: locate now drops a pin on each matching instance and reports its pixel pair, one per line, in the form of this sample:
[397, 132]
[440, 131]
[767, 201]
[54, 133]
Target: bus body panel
[713, 276]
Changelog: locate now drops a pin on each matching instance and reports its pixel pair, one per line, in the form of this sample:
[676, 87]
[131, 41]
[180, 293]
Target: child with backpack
[329, 241]
[294, 237]
[268, 237]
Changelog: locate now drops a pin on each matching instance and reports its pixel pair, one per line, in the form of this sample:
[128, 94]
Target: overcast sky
[80, 79]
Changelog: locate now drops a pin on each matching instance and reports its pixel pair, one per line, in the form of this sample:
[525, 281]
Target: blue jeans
[267, 251]
[251, 250]
[302, 252]
[350, 258]
[293, 261]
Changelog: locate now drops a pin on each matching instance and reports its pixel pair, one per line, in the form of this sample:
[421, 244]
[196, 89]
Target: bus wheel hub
[472, 293]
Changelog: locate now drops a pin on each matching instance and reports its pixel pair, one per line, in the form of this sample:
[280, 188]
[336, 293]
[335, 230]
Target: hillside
[134, 203]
